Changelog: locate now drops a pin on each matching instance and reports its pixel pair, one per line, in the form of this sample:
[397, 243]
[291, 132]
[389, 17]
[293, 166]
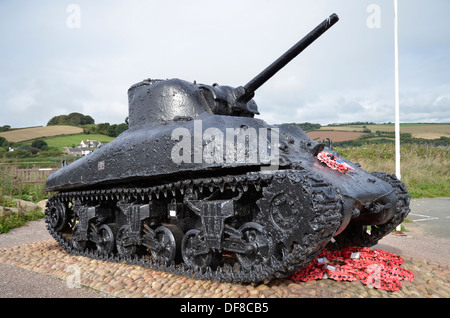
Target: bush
[50, 153]
[13, 220]
[10, 191]
[19, 153]
[19, 190]
[105, 129]
[39, 144]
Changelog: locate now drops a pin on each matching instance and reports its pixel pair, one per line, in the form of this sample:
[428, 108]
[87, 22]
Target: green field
[425, 169]
[74, 140]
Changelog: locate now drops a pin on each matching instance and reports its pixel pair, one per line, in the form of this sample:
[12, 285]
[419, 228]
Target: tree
[121, 128]
[39, 144]
[307, 126]
[103, 128]
[115, 130]
[3, 142]
[5, 128]
[73, 119]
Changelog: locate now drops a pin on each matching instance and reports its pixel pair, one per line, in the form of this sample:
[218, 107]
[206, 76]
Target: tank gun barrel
[246, 93]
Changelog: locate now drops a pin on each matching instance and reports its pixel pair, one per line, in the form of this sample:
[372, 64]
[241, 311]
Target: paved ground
[427, 238]
[428, 235]
[433, 216]
[16, 282]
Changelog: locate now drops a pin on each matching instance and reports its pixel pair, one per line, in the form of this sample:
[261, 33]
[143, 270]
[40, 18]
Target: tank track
[358, 235]
[291, 227]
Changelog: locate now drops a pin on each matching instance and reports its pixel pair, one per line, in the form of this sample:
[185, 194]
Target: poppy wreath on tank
[334, 162]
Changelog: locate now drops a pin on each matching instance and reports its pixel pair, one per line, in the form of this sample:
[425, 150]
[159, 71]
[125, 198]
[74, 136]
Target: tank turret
[161, 100]
[197, 184]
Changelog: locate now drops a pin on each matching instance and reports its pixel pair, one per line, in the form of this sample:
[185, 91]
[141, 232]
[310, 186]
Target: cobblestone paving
[432, 280]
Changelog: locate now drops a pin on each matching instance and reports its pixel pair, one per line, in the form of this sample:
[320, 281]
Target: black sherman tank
[198, 186]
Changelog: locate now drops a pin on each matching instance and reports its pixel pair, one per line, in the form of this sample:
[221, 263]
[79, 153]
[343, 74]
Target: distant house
[84, 148]
[92, 144]
[73, 151]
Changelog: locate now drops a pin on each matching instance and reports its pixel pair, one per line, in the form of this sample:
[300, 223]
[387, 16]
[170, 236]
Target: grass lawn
[74, 140]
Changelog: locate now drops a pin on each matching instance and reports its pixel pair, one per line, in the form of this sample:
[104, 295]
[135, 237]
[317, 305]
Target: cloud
[347, 75]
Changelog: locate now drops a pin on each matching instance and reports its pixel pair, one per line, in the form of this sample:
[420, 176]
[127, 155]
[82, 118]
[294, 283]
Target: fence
[32, 175]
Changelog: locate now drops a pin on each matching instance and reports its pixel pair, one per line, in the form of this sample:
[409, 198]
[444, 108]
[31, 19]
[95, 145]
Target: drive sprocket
[301, 212]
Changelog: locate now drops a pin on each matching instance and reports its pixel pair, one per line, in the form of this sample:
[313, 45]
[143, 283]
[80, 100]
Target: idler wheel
[124, 244]
[57, 217]
[106, 241]
[195, 253]
[259, 247]
[169, 239]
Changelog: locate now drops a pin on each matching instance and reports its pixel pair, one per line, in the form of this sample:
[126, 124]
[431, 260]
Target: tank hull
[148, 153]
[155, 154]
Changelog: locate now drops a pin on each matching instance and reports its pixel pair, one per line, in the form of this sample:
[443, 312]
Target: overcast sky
[57, 58]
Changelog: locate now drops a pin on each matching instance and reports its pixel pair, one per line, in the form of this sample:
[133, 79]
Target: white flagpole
[397, 98]
[397, 105]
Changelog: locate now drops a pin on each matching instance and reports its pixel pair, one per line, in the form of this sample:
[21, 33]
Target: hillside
[335, 136]
[73, 119]
[425, 131]
[24, 134]
[61, 141]
[381, 132]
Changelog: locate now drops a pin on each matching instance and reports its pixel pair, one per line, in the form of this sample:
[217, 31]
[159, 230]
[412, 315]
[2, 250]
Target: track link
[298, 211]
